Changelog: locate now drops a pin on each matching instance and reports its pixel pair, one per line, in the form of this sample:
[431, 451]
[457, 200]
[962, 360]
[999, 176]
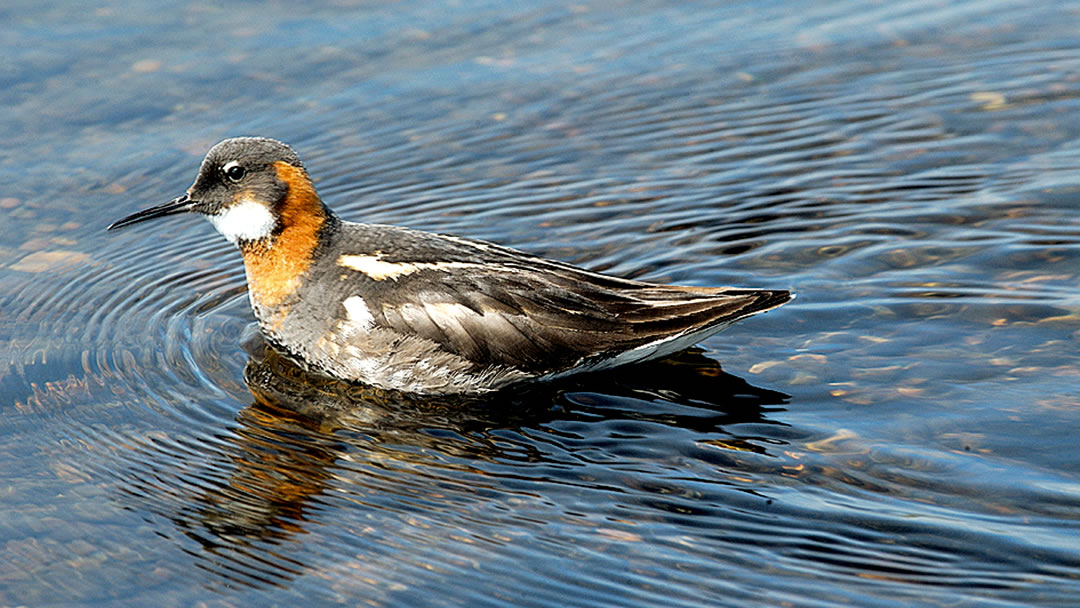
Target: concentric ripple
[142, 322]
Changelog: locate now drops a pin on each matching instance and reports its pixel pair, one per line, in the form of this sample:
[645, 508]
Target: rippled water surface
[905, 432]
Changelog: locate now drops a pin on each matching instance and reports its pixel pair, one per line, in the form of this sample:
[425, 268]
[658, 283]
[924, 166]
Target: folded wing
[533, 315]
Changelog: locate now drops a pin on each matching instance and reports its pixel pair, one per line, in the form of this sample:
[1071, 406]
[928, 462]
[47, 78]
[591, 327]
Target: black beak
[180, 204]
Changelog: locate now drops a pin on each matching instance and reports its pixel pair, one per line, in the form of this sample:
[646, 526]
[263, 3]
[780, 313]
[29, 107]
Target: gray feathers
[496, 313]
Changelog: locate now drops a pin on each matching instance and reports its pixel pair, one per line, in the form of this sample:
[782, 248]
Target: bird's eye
[234, 171]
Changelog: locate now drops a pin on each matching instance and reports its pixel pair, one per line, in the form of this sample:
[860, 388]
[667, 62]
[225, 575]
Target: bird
[423, 313]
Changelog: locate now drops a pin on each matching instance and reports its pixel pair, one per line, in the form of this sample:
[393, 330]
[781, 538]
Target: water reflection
[306, 444]
[908, 168]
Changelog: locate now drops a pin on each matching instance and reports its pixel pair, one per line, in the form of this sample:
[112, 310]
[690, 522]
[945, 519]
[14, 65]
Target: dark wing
[490, 304]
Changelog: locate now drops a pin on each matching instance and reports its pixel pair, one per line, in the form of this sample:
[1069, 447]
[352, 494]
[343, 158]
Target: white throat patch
[244, 221]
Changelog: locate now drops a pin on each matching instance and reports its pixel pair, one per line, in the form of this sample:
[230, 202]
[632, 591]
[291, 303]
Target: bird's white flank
[359, 313]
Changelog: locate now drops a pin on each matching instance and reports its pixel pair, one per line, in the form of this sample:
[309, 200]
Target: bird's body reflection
[309, 447]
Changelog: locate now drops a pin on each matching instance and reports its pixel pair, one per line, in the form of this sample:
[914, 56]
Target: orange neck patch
[274, 266]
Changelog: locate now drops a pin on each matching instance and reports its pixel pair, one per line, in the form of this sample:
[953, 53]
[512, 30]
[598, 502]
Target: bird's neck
[276, 265]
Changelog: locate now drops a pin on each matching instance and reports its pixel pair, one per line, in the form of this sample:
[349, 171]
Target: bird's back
[489, 313]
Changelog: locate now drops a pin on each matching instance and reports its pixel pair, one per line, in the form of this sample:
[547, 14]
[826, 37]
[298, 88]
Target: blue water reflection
[902, 433]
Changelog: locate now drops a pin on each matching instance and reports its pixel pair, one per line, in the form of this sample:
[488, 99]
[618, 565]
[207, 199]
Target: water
[902, 433]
